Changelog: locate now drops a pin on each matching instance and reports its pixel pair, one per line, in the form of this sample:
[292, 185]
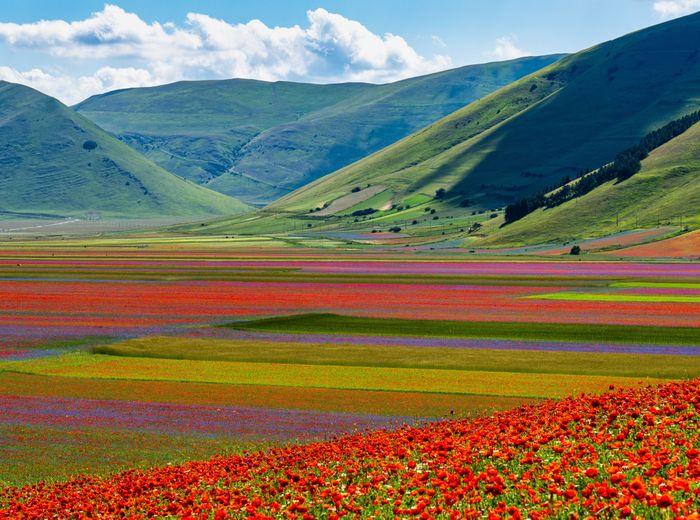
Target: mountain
[259, 141]
[666, 190]
[55, 161]
[575, 114]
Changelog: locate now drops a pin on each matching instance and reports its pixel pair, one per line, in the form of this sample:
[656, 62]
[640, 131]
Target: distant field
[687, 245]
[73, 226]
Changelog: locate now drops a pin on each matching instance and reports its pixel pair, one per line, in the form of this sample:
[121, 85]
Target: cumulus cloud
[330, 48]
[71, 89]
[674, 8]
[506, 48]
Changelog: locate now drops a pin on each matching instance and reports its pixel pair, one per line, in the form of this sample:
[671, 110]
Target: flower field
[144, 360]
[683, 246]
[625, 453]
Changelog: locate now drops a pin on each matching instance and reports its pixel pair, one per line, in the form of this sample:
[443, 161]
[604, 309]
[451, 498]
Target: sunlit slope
[577, 113]
[666, 190]
[261, 140]
[55, 161]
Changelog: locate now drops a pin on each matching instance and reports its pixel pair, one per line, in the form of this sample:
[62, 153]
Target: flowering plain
[147, 359]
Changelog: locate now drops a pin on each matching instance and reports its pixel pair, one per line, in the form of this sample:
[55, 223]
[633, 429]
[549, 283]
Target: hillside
[575, 114]
[54, 161]
[666, 190]
[259, 141]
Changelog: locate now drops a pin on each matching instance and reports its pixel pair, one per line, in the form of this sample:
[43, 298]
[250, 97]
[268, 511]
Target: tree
[576, 250]
[440, 193]
[89, 145]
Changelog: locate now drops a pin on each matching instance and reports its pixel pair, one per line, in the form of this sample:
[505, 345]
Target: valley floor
[118, 353]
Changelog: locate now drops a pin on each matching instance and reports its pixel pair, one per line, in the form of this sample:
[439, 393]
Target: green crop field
[328, 323]
[505, 384]
[544, 362]
[31, 454]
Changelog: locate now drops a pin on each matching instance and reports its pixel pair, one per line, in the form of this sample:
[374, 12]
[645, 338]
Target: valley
[317, 271]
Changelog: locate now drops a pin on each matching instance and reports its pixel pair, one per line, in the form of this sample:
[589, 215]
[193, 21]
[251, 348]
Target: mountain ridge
[254, 153]
[534, 131]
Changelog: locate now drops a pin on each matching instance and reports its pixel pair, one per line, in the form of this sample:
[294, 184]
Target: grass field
[543, 331]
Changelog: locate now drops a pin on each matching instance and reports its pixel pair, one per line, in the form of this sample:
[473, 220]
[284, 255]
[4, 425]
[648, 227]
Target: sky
[72, 50]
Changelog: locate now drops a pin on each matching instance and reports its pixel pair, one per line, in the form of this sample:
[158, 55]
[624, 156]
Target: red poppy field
[625, 453]
[370, 384]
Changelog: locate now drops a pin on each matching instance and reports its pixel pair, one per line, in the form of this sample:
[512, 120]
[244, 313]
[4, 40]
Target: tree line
[624, 166]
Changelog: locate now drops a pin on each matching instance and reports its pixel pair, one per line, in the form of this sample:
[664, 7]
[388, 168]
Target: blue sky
[88, 46]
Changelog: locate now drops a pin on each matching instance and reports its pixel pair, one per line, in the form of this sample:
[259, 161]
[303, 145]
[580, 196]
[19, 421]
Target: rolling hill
[665, 191]
[55, 161]
[259, 141]
[575, 114]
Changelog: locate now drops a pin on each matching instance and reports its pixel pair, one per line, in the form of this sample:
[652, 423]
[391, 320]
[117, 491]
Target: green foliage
[363, 212]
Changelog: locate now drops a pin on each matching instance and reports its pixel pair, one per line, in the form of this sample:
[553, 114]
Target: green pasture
[518, 361]
[335, 323]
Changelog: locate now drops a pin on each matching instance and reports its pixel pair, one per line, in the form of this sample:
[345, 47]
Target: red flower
[591, 472]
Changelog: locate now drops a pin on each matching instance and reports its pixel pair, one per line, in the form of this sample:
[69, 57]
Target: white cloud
[330, 48]
[506, 48]
[438, 41]
[674, 8]
[71, 89]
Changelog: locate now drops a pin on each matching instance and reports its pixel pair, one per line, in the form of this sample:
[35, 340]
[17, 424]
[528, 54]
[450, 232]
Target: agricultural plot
[160, 355]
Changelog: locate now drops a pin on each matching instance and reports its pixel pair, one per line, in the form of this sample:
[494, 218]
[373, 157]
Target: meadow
[146, 356]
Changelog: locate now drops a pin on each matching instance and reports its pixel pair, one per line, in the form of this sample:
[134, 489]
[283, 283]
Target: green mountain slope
[55, 161]
[575, 114]
[259, 141]
[666, 190]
